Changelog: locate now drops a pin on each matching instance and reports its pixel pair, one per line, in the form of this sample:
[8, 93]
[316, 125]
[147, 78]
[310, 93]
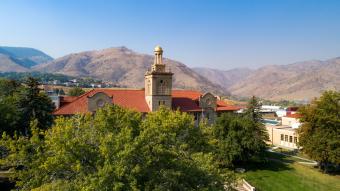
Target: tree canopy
[239, 138]
[116, 149]
[76, 91]
[20, 104]
[319, 134]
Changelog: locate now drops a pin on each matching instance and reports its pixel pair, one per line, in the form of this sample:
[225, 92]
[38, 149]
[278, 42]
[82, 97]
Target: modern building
[158, 92]
[285, 135]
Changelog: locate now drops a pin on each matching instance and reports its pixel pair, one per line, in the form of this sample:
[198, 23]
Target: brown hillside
[126, 68]
[299, 81]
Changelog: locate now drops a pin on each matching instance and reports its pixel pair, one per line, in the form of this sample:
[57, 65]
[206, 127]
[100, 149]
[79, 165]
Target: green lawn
[286, 174]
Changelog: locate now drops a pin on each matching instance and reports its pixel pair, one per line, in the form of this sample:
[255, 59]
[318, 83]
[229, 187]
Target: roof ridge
[78, 97]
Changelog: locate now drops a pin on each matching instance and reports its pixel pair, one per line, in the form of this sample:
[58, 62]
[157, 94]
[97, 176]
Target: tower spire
[158, 55]
[158, 83]
[158, 65]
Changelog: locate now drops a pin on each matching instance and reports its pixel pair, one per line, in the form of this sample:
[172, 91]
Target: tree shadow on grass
[270, 162]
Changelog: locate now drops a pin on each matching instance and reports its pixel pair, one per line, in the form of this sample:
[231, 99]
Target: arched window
[162, 87]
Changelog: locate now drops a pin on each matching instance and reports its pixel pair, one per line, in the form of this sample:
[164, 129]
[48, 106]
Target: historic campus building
[158, 91]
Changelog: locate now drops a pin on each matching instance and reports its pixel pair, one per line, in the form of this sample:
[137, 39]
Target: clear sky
[220, 34]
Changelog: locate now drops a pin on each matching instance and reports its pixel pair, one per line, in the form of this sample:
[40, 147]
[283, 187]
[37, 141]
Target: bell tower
[158, 83]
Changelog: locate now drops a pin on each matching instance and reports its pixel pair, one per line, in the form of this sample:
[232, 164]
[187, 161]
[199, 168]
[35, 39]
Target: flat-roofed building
[283, 136]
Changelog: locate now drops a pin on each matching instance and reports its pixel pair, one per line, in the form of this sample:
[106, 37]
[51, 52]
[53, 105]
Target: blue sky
[220, 34]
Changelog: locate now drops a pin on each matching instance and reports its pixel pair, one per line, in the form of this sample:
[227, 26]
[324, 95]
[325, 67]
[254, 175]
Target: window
[290, 139]
[163, 87]
[161, 102]
[286, 138]
[295, 140]
[149, 87]
[282, 137]
[100, 103]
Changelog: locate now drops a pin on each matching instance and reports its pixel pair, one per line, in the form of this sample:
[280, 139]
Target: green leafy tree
[76, 91]
[239, 137]
[171, 155]
[8, 87]
[115, 150]
[9, 115]
[319, 134]
[9, 112]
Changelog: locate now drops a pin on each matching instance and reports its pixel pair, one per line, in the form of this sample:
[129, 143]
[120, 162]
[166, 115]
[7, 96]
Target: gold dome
[158, 49]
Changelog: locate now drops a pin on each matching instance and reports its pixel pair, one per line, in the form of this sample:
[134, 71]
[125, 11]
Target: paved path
[309, 162]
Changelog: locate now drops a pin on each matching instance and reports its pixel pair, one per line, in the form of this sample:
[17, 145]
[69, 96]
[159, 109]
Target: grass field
[282, 173]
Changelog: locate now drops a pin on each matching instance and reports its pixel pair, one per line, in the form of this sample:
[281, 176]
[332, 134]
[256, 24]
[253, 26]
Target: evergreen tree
[253, 110]
[34, 104]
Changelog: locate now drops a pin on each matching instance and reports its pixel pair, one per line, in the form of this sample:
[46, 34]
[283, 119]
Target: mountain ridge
[126, 68]
[21, 58]
[297, 81]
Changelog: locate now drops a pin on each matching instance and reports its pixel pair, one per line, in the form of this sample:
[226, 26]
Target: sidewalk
[310, 162]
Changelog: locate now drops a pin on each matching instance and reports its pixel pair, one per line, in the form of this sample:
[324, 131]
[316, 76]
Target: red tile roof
[185, 100]
[66, 100]
[294, 115]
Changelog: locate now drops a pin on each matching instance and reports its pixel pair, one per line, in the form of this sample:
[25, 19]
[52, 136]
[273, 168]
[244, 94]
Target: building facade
[158, 92]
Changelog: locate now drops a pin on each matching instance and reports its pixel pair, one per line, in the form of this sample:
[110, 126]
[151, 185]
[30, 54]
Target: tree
[34, 104]
[253, 111]
[76, 91]
[8, 87]
[115, 150]
[319, 134]
[239, 137]
[19, 105]
[9, 112]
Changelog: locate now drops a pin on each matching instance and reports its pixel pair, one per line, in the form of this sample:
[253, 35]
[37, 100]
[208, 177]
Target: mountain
[9, 64]
[224, 78]
[19, 59]
[298, 81]
[125, 68]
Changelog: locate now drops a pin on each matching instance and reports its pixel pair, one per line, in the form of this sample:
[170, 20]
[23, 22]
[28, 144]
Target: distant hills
[298, 81]
[303, 80]
[224, 78]
[20, 59]
[126, 68]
